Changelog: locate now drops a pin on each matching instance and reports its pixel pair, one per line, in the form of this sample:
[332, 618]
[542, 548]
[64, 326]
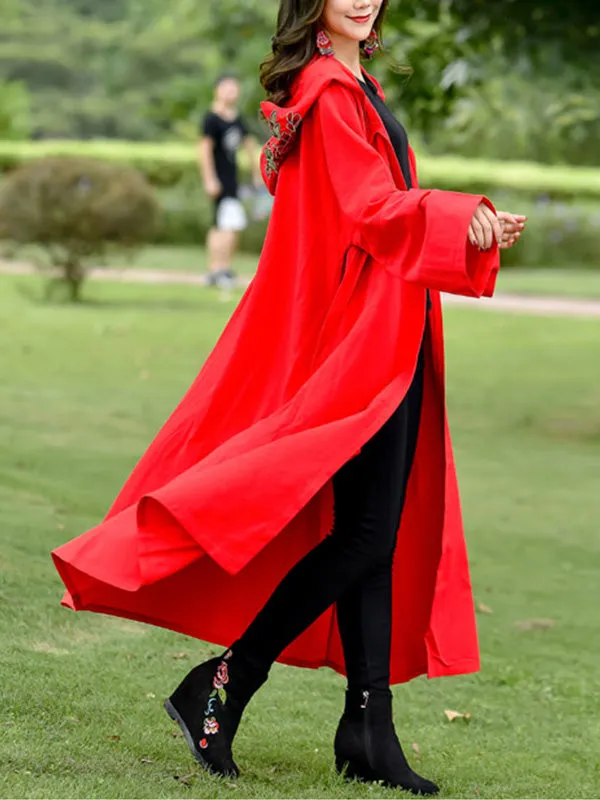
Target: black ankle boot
[366, 745]
[208, 706]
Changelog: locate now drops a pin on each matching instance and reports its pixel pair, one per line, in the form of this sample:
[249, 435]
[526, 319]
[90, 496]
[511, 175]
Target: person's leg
[229, 220]
[366, 491]
[364, 612]
[218, 246]
[363, 536]
[366, 744]
[230, 244]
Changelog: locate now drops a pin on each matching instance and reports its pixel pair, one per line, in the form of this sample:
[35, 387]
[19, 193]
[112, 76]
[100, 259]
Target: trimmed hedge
[558, 233]
[166, 164]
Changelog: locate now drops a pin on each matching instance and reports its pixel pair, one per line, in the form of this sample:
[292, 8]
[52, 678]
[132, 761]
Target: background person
[224, 131]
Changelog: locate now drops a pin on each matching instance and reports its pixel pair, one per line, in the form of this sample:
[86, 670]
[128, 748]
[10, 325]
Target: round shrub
[77, 209]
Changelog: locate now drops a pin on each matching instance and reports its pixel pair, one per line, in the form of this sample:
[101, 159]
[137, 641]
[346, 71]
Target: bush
[163, 164]
[548, 112]
[561, 231]
[77, 209]
[188, 215]
[15, 122]
[167, 164]
[558, 234]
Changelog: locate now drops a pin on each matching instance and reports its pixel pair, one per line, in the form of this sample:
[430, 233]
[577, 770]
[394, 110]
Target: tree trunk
[73, 276]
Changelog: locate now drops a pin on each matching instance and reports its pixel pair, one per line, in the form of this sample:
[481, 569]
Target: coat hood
[285, 121]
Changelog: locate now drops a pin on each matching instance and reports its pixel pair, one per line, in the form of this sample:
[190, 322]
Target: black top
[395, 130]
[397, 134]
[227, 136]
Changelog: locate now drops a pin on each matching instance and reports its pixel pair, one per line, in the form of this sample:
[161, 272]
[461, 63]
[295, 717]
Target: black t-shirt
[227, 136]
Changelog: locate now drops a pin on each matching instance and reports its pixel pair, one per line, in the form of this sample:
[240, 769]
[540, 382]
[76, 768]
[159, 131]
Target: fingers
[509, 240]
[506, 217]
[483, 228]
[478, 232]
[512, 223]
[504, 227]
[496, 226]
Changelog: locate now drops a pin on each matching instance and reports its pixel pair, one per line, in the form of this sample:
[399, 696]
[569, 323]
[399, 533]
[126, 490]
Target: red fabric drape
[236, 486]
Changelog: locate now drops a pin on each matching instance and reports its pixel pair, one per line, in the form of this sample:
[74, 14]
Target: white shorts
[230, 215]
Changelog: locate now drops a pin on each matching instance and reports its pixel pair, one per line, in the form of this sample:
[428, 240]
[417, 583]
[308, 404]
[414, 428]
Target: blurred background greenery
[494, 84]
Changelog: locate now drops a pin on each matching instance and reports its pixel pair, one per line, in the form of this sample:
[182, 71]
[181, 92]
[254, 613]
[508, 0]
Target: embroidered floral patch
[282, 137]
[222, 676]
[211, 726]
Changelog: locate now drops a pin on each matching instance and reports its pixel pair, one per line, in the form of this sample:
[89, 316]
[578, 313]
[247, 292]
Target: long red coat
[236, 486]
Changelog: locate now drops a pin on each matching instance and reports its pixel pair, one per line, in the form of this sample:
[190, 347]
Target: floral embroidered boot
[208, 706]
[367, 747]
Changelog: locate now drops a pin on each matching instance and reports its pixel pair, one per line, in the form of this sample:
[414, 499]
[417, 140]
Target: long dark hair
[295, 44]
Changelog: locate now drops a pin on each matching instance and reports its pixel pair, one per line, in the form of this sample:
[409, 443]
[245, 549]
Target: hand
[513, 226]
[213, 187]
[484, 228]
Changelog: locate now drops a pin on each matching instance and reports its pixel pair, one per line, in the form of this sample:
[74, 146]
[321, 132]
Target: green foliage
[456, 47]
[76, 209]
[140, 69]
[15, 108]
[550, 117]
[557, 233]
[563, 203]
[167, 163]
[188, 215]
[163, 164]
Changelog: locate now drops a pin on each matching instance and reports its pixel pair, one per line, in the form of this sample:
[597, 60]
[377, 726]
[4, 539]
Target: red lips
[361, 20]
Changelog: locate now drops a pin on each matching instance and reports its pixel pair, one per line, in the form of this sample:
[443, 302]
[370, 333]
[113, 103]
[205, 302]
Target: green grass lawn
[82, 391]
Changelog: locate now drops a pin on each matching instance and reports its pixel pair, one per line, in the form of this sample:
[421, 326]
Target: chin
[358, 34]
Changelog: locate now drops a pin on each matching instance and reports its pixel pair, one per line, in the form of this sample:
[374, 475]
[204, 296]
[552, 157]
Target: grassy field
[82, 391]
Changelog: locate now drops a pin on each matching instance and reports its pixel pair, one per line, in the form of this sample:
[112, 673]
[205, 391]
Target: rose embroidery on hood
[283, 135]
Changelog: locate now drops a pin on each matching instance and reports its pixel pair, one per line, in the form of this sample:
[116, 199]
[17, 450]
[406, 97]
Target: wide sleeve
[419, 235]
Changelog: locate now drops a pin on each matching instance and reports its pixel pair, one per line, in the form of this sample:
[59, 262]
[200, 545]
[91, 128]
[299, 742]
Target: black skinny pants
[353, 565]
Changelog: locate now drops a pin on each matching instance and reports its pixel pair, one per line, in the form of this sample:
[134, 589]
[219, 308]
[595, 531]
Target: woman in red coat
[314, 444]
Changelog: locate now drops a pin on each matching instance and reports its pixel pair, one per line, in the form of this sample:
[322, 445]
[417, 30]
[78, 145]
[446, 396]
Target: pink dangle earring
[324, 45]
[371, 44]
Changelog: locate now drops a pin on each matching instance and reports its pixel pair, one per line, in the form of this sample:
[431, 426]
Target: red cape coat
[320, 351]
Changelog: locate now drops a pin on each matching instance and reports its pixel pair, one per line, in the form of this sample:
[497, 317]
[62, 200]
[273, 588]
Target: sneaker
[226, 279]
